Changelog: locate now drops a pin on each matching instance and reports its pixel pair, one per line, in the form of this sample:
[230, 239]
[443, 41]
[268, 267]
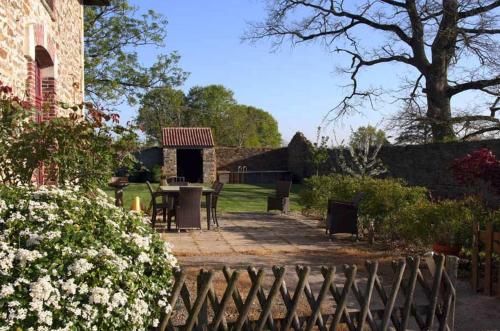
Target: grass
[234, 197]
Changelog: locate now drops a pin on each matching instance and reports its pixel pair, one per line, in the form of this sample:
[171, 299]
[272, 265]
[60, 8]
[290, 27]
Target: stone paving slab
[251, 233]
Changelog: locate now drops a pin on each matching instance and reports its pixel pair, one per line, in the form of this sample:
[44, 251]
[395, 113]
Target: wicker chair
[188, 211]
[342, 216]
[281, 199]
[157, 207]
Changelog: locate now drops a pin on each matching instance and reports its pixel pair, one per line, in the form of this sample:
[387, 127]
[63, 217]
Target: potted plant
[446, 240]
[451, 224]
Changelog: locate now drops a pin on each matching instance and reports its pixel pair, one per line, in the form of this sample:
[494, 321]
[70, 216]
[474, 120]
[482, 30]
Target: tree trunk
[439, 109]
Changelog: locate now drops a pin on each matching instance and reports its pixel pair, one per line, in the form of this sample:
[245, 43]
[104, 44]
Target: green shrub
[73, 262]
[156, 174]
[382, 197]
[443, 222]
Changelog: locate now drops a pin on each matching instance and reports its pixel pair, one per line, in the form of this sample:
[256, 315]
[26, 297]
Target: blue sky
[297, 85]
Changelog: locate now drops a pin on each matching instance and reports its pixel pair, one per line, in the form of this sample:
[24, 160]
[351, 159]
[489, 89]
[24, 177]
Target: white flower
[69, 286]
[45, 317]
[99, 295]
[140, 241]
[84, 288]
[80, 267]
[139, 311]
[24, 256]
[41, 289]
[52, 235]
[118, 299]
[143, 258]
[6, 290]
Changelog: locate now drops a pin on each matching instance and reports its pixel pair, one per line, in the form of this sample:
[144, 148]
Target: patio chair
[281, 199]
[188, 211]
[342, 216]
[157, 207]
[217, 187]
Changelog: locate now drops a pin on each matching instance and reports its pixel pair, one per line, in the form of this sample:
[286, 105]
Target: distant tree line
[211, 106]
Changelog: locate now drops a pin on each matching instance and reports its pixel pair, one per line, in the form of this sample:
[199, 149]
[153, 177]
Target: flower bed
[73, 262]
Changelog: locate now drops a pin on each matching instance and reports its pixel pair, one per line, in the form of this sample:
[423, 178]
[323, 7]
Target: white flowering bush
[73, 262]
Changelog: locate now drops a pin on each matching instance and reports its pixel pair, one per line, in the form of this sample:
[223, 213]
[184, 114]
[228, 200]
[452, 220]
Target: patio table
[173, 191]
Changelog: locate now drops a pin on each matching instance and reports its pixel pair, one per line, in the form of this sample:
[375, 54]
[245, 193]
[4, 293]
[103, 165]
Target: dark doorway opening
[190, 165]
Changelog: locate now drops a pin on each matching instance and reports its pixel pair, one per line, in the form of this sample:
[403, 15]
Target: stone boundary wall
[428, 165]
[421, 165]
[255, 159]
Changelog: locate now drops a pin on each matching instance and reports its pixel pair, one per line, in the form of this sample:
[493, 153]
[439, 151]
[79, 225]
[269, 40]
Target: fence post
[203, 316]
[475, 256]
[452, 271]
[488, 288]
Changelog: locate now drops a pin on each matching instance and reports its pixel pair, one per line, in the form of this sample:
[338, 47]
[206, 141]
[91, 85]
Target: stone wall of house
[31, 30]
[229, 158]
[169, 168]
[209, 165]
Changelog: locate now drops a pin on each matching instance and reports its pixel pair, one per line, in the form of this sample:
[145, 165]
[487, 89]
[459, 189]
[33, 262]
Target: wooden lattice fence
[344, 301]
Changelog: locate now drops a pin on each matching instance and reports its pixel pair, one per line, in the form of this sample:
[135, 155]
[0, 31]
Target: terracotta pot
[446, 249]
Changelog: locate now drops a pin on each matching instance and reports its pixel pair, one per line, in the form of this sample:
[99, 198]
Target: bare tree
[451, 45]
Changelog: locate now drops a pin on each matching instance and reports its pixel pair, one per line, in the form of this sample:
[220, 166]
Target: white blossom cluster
[71, 260]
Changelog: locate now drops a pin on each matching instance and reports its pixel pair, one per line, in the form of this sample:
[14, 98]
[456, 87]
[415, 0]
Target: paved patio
[265, 239]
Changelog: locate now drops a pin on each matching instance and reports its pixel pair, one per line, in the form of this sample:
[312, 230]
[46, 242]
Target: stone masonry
[169, 168]
[209, 165]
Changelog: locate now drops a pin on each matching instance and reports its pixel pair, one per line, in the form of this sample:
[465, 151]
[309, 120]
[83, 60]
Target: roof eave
[95, 2]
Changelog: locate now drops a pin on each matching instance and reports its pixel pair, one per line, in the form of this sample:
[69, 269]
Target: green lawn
[234, 197]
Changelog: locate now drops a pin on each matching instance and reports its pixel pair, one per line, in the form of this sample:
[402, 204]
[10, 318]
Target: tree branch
[479, 10]
[474, 85]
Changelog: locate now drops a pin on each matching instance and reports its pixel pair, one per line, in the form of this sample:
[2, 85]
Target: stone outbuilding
[189, 153]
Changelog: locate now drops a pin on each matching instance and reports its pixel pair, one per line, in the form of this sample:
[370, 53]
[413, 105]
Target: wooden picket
[488, 241]
[411, 302]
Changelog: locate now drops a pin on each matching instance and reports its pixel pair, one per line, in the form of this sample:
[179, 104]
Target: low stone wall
[255, 159]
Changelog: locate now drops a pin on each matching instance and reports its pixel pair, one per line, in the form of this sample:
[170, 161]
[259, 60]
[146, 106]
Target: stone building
[42, 54]
[189, 153]
[41, 51]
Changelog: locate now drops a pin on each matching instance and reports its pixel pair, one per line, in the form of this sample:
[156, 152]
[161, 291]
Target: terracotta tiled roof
[187, 137]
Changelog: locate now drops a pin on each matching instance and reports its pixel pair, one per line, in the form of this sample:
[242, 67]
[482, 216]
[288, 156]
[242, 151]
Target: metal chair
[218, 186]
[156, 206]
[281, 199]
[188, 211]
[342, 216]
